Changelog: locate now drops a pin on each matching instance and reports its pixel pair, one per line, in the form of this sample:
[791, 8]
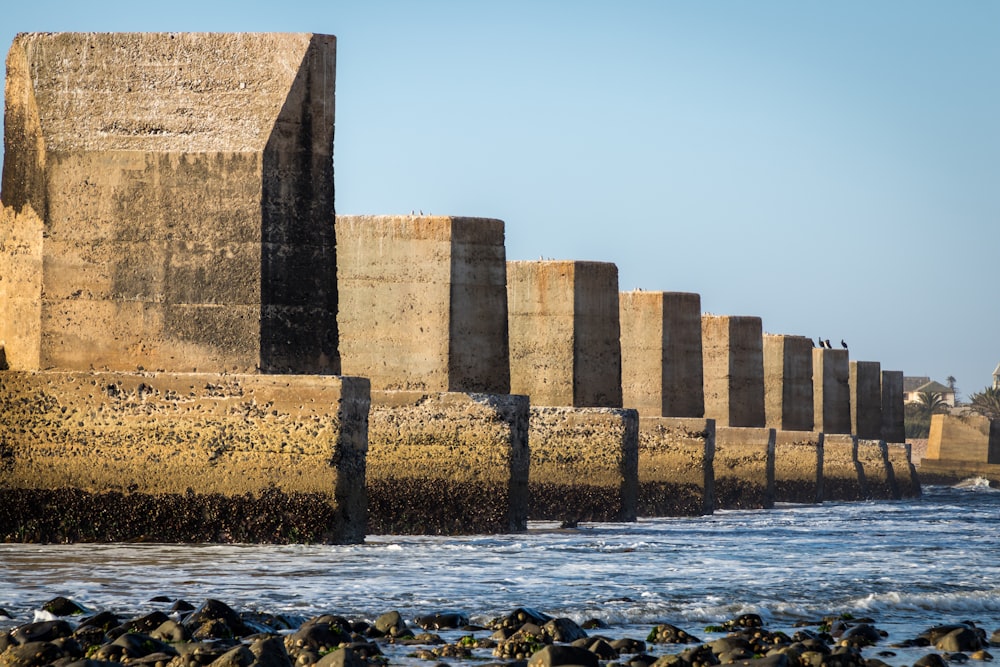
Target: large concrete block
[182, 457]
[798, 467]
[878, 480]
[744, 468]
[893, 415]
[788, 382]
[866, 399]
[905, 474]
[185, 185]
[584, 464]
[733, 363]
[843, 476]
[831, 391]
[661, 353]
[676, 476]
[447, 463]
[564, 333]
[423, 302]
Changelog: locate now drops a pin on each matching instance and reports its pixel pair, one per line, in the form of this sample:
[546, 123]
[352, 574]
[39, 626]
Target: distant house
[914, 386]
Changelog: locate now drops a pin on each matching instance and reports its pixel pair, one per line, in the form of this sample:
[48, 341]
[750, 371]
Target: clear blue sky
[833, 168]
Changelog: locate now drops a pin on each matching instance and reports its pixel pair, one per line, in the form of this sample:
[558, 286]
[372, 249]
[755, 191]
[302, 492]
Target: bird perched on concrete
[821, 343]
[843, 344]
[828, 346]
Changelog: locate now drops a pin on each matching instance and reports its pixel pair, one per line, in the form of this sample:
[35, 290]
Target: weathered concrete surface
[879, 478]
[843, 475]
[185, 183]
[676, 476]
[564, 333]
[893, 422]
[733, 362]
[744, 468]
[788, 382]
[423, 302]
[905, 474]
[661, 353]
[182, 457]
[831, 391]
[584, 464]
[798, 466]
[20, 288]
[959, 447]
[866, 399]
[447, 463]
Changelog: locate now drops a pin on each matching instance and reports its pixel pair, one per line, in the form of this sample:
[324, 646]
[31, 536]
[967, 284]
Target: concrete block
[905, 474]
[788, 382]
[831, 391]
[744, 468]
[447, 463]
[423, 302]
[733, 363]
[878, 478]
[866, 399]
[564, 333]
[676, 475]
[893, 423]
[843, 476]
[185, 185]
[584, 464]
[661, 353]
[182, 457]
[798, 466]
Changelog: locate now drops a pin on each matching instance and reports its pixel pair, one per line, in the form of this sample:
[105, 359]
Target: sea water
[909, 564]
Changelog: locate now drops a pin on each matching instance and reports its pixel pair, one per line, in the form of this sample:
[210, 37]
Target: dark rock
[962, 638]
[138, 644]
[201, 621]
[392, 624]
[104, 620]
[60, 606]
[171, 631]
[520, 646]
[641, 660]
[43, 631]
[320, 634]
[778, 660]
[344, 657]
[31, 654]
[699, 655]
[160, 598]
[552, 656]
[628, 645]
[981, 655]
[445, 620]
[594, 624]
[239, 656]
[602, 649]
[519, 617]
[270, 652]
[5, 615]
[670, 634]
[563, 630]
[862, 634]
[182, 606]
[146, 623]
[745, 621]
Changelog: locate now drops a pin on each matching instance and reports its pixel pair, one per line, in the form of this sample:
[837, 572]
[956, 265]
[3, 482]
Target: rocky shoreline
[177, 634]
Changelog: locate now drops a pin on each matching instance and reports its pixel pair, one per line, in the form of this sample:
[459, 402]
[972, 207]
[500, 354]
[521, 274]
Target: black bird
[828, 346]
[843, 344]
[820, 342]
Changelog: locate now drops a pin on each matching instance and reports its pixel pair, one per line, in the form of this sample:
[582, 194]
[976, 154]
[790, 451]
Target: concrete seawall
[879, 481]
[744, 468]
[676, 476]
[907, 480]
[798, 467]
[843, 476]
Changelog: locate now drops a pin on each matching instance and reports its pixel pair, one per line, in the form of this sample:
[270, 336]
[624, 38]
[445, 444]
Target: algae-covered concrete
[423, 302]
[733, 363]
[788, 382]
[676, 476]
[744, 468]
[879, 478]
[182, 457]
[185, 186]
[843, 475]
[893, 413]
[866, 399]
[584, 464]
[447, 463]
[831, 391]
[798, 467]
[903, 470]
[661, 353]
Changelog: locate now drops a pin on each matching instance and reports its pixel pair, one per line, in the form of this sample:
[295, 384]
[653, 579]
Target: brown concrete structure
[733, 362]
[893, 422]
[447, 463]
[843, 475]
[866, 399]
[905, 474]
[676, 475]
[744, 468]
[182, 457]
[423, 302]
[584, 464]
[831, 391]
[959, 447]
[788, 382]
[879, 482]
[661, 353]
[798, 467]
[185, 184]
[564, 333]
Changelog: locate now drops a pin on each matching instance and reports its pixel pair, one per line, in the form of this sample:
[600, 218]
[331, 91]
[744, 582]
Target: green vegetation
[986, 402]
[917, 416]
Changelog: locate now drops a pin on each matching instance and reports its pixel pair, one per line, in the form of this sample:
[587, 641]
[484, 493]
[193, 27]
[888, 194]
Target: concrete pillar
[733, 362]
[843, 476]
[893, 423]
[788, 382]
[866, 399]
[423, 302]
[564, 333]
[676, 476]
[798, 467]
[879, 481]
[447, 463]
[831, 391]
[661, 353]
[905, 474]
[584, 464]
[744, 468]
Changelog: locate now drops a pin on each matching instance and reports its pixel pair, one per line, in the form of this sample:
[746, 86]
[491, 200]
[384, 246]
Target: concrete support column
[843, 476]
[831, 391]
[893, 423]
[676, 474]
[788, 382]
[798, 467]
[744, 468]
[733, 362]
[866, 399]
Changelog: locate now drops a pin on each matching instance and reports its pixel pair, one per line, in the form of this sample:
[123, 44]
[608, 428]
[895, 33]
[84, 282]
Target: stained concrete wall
[584, 464]
[447, 463]
[831, 391]
[879, 480]
[744, 468]
[866, 399]
[564, 333]
[185, 182]
[676, 474]
[423, 302]
[661, 353]
[20, 288]
[903, 470]
[788, 382]
[962, 438]
[733, 366]
[798, 466]
[893, 415]
[843, 475]
[182, 457]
